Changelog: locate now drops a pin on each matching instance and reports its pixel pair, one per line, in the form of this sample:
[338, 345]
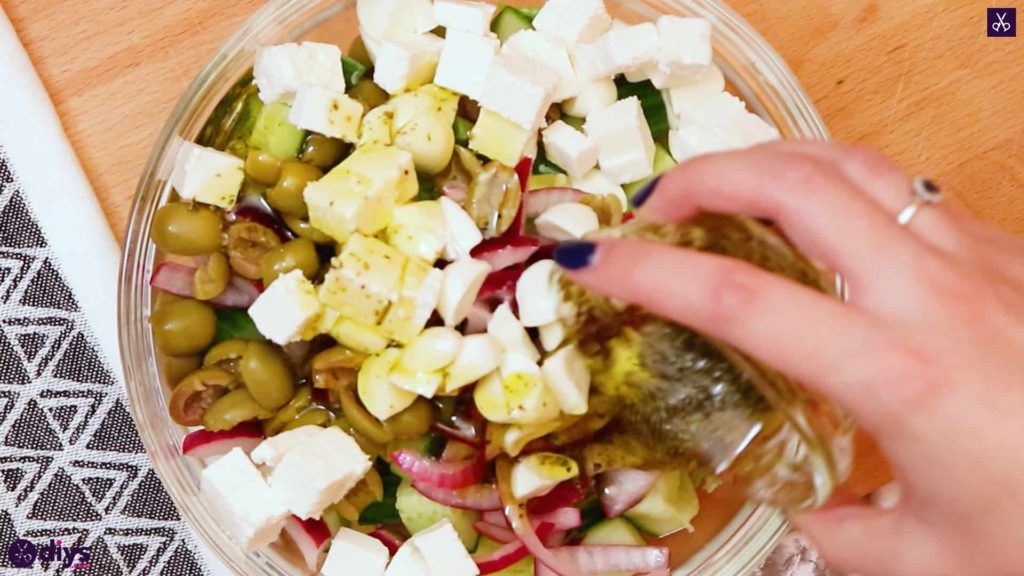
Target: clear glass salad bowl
[754, 70]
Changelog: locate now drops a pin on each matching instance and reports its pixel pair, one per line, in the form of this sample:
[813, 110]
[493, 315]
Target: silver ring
[926, 193]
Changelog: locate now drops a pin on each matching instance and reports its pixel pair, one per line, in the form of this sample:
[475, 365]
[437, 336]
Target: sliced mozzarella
[424, 384]
[537, 474]
[462, 282]
[566, 222]
[462, 235]
[566, 374]
[382, 398]
[480, 355]
[434, 349]
[510, 332]
[538, 294]
[552, 335]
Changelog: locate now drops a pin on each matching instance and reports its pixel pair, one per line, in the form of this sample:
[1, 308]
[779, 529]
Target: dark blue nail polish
[575, 255]
[644, 193]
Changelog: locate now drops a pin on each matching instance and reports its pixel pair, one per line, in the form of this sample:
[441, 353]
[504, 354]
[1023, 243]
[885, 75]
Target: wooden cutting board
[915, 79]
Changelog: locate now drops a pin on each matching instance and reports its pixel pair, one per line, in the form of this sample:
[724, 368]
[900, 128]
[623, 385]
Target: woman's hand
[927, 355]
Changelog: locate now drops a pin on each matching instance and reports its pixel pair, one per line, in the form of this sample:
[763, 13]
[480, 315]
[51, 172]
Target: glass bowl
[754, 70]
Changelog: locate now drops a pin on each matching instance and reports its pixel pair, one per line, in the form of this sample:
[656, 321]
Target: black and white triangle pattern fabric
[72, 467]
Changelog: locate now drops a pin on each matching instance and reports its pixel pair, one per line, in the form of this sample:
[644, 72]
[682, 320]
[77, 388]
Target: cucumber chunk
[419, 513]
[668, 508]
[663, 162]
[522, 568]
[273, 133]
[509, 21]
[614, 532]
[651, 99]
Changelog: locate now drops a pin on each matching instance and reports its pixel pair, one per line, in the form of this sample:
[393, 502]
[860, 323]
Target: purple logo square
[1002, 22]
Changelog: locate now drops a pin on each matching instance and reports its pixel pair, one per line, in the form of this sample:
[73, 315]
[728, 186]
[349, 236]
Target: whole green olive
[286, 195]
[263, 167]
[322, 152]
[303, 229]
[226, 355]
[414, 421]
[299, 254]
[314, 416]
[212, 277]
[267, 375]
[247, 243]
[185, 230]
[183, 328]
[196, 392]
[232, 409]
[368, 93]
[300, 401]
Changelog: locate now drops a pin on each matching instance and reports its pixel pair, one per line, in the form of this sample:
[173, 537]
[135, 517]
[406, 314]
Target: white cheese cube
[286, 308]
[700, 107]
[480, 355]
[422, 15]
[462, 235]
[621, 50]
[624, 142]
[280, 70]
[237, 495]
[421, 289]
[462, 282]
[408, 561]
[552, 335]
[272, 450]
[364, 279]
[418, 229]
[573, 21]
[684, 50]
[510, 332]
[538, 294]
[355, 553]
[407, 63]
[571, 149]
[443, 551]
[383, 19]
[307, 481]
[207, 175]
[695, 88]
[546, 54]
[465, 62]
[593, 95]
[734, 133]
[595, 182]
[565, 372]
[518, 91]
[465, 15]
[328, 112]
[567, 222]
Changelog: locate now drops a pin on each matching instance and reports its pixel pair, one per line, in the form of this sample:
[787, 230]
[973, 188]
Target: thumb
[856, 539]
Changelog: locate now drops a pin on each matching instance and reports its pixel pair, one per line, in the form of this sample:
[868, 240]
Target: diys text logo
[24, 554]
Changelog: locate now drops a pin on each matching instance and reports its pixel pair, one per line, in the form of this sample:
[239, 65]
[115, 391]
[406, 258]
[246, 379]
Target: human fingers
[859, 539]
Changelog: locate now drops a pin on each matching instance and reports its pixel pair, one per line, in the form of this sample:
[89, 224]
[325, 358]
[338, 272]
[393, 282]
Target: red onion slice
[481, 497]
[503, 252]
[566, 494]
[508, 554]
[452, 475]
[607, 559]
[515, 513]
[622, 489]
[538, 201]
[205, 444]
[177, 279]
[478, 319]
[456, 191]
[389, 539]
[310, 537]
[563, 519]
[499, 534]
[500, 286]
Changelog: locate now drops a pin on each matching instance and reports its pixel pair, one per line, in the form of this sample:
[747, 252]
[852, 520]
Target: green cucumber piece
[542, 165]
[384, 511]
[234, 324]
[614, 532]
[651, 99]
[353, 70]
[668, 508]
[273, 133]
[461, 127]
[528, 12]
[663, 162]
[509, 21]
[419, 513]
[522, 568]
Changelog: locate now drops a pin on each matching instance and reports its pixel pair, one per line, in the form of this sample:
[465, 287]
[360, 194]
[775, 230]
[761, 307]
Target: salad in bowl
[374, 357]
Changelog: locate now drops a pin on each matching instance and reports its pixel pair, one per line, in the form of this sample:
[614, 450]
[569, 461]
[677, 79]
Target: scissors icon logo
[1002, 25]
[1002, 22]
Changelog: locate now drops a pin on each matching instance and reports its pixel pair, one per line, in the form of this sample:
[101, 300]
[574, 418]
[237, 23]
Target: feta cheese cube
[328, 112]
[465, 15]
[418, 230]
[624, 142]
[461, 232]
[355, 553]
[281, 70]
[462, 282]
[519, 91]
[376, 391]
[500, 139]
[285, 310]
[537, 474]
[421, 289]
[695, 88]
[307, 482]
[593, 95]
[443, 551]
[363, 280]
[621, 50]
[741, 131]
[571, 149]
[207, 175]
[565, 372]
[546, 54]
[510, 332]
[702, 107]
[465, 62]
[573, 21]
[684, 50]
[407, 63]
[272, 450]
[235, 492]
[595, 182]
[567, 222]
[480, 355]
[408, 561]
[538, 294]
[552, 335]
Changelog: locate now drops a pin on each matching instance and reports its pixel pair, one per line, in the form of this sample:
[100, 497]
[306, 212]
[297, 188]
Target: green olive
[183, 328]
[414, 421]
[368, 93]
[262, 167]
[226, 355]
[232, 409]
[212, 277]
[247, 243]
[361, 420]
[299, 254]
[286, 195]
[302, 400]
[175, 368]
[608, 207]
[195, 393]
[358, 52]
[315, 416]
[493, 199]
[336, 368]
[185, 230]
[267, 375]
[322, 152]
[303, 229]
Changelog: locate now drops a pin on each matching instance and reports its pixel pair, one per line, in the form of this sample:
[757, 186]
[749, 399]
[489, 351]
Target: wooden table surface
[916, 79]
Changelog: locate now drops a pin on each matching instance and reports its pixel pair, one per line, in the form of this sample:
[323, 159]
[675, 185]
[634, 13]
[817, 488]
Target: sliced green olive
[322, 152]
[186, 230]
[368, 93]
[286, 195]
[314, 416]
[493, 199]
[303, 399]
[414, 421]
[247, 243]
[232, 409]
[267, 375]
[608, 207]
[299, 254]
[303, 229]
[226, 355]
[212, 277]
[183, 328]
[262, 167]
[361, 420]
[194, 395]
[336, 368]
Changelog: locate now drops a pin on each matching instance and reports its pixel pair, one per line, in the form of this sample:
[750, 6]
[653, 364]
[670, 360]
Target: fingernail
[575, 255]
[644, 192]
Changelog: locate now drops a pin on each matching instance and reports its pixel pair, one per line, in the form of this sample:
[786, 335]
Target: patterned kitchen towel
[73, 472]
